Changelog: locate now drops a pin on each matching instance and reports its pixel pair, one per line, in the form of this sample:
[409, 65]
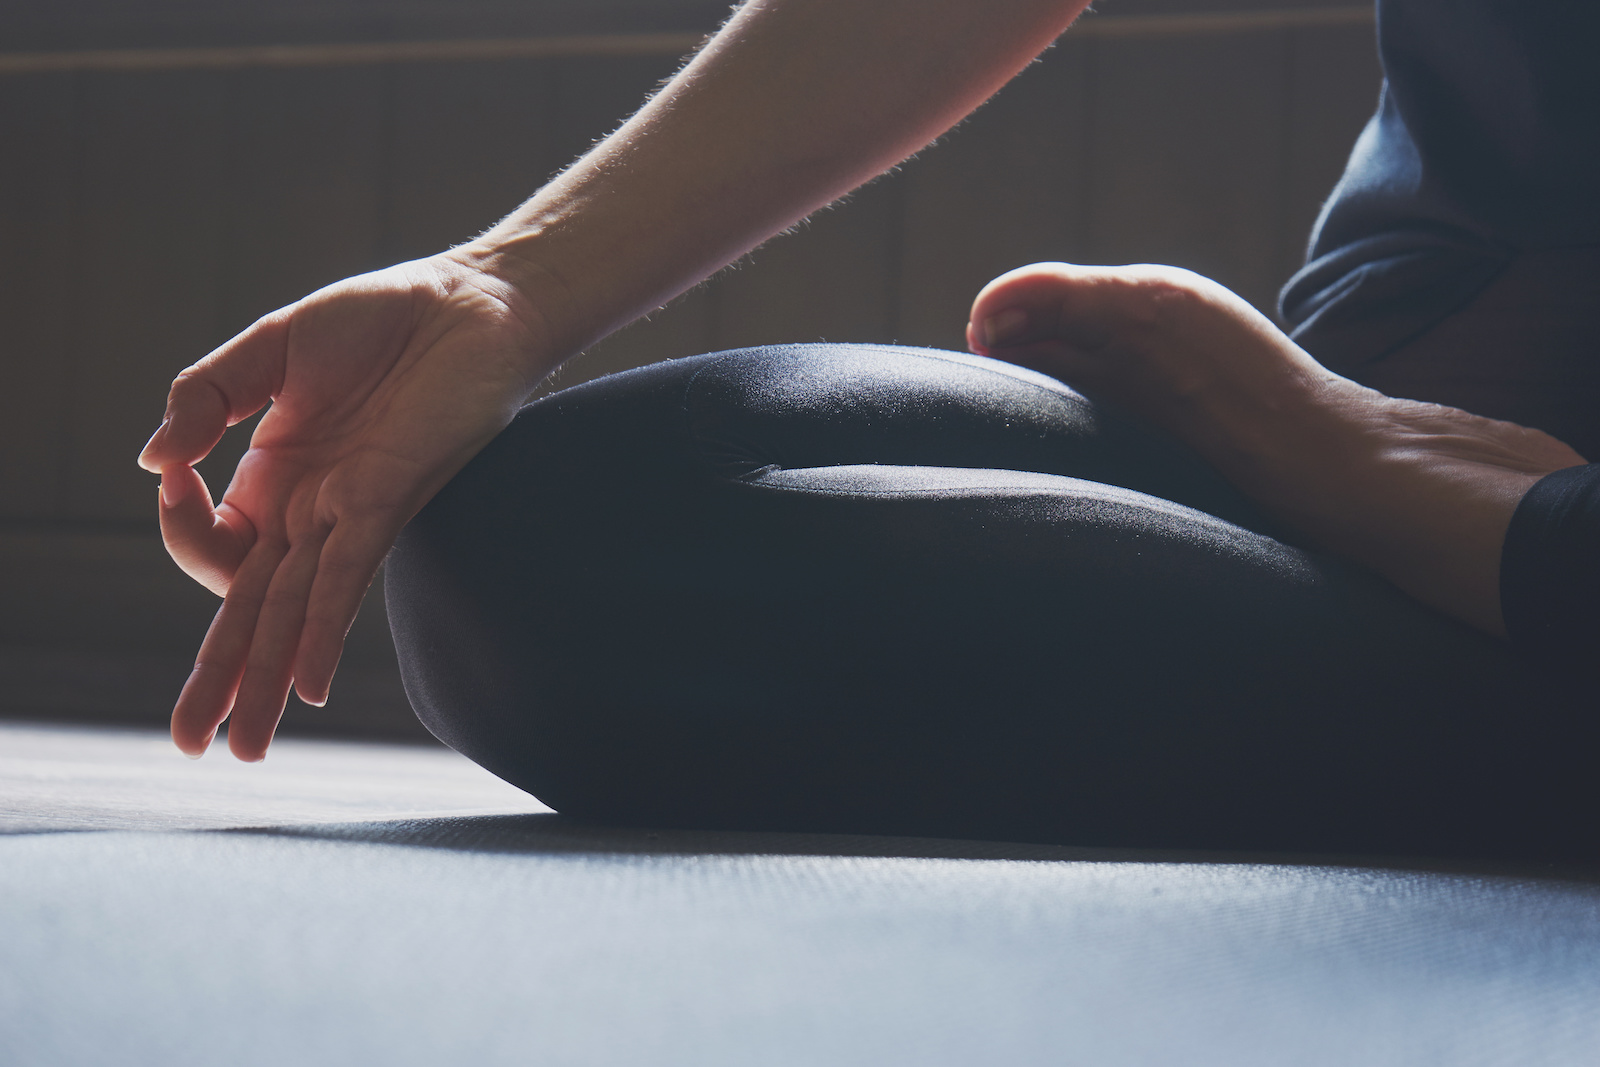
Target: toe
[1020, 307]
[1085, 308]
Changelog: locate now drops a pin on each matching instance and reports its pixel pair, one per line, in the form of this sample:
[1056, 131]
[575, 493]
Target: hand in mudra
[381, 388]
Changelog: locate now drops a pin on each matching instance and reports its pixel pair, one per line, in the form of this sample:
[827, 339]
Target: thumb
[207, 543]
[230, 384]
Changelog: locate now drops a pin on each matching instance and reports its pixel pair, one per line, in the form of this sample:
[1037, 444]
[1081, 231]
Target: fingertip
[254, 722]
[257, 711]
[199, 412]
[243, 750]
[313, 692]
[192, 749]
[317, 661]
[177, 484]
[147, 454]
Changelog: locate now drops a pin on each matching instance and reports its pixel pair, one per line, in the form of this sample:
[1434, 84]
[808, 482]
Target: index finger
[226, 386]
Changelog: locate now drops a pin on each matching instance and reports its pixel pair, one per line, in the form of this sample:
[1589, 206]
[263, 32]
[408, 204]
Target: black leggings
[868, 589]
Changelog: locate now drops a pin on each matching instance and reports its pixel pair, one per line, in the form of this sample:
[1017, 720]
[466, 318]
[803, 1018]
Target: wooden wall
[146, 216]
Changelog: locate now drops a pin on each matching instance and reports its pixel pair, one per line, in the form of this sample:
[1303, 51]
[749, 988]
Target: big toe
[1026, 305]
[1077, 307]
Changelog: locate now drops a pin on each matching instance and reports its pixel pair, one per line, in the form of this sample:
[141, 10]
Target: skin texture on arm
[794, 104]
[383, 386]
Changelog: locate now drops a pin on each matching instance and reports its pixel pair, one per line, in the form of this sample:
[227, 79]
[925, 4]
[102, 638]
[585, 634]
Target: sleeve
[1550, 566]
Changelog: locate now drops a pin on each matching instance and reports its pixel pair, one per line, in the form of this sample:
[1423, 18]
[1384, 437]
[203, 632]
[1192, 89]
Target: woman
[634, 605]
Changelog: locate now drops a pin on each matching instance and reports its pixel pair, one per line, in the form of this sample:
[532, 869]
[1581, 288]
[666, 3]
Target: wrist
[589, 263]
[538, 298]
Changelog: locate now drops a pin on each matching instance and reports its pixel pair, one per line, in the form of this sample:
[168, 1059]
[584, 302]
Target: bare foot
[1421, 493]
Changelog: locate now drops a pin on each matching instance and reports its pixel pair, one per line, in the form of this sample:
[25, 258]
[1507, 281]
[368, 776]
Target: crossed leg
[883, 590]
[1420, 493]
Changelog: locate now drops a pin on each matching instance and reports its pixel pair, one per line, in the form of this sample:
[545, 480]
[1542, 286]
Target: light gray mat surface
[358, 937]
[99, 778]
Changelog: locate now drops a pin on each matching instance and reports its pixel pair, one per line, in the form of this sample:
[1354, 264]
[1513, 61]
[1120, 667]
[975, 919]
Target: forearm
[793, 104]
[381, 387]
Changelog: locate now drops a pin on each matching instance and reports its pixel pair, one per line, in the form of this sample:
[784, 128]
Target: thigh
[883, 590]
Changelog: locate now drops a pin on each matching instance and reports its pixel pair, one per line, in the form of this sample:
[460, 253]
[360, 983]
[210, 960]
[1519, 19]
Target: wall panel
[831, 278]
[307, 186]
[1333, 90]
[1186, 148]
[467, 143]
[1006, 188]
[38, 301]
[148, 235]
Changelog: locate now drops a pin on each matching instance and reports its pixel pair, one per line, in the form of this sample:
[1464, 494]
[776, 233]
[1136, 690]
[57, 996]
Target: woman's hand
[381, 388]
